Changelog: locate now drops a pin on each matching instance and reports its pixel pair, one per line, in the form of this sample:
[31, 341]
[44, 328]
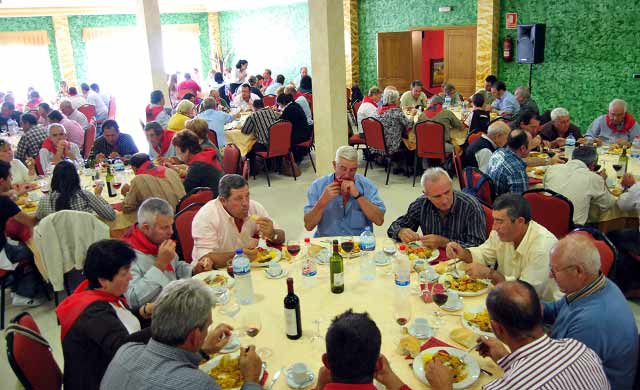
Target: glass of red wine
[402, 312]
[251, 323]
[346, 243]
[293, 247]
[439, 296]
[230, 268]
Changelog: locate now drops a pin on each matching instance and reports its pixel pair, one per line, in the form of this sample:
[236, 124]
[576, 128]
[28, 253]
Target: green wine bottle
[336, 267]
[623, 162]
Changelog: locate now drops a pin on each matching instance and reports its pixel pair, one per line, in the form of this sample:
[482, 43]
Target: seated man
[156, 262]
[486, 91]
[535, 361]
[93, 98]
[231, 221]
[244, 100]
[155, 111]
[343, 202]
[160, 141]
[203, 168]
[591, 297]
[150, 181]
[369, 106]
[506, 166]
[343, 369]
[112, 143]
[7, 113]
[71, 113]
[43, 111]
[518, 246]
[56, 148]
[180, 339]
[445, 117]
[302, 102]
[442, 213]
[215, 119]
[258, 124]
[414, 97]
[271, 89]
[478, 119]
[559, 128]
[31, 142]
[505, 104]
[255, 88]
[75, 132]
[578, 181]
[526, 103]
[76, 99]
[479, 153]
[449, 90]
[617, 126]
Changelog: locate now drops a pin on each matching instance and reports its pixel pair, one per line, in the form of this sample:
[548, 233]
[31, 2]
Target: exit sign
[512, 20]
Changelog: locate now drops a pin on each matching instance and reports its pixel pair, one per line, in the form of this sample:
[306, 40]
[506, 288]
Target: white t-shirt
[366, 110]
[127, 318]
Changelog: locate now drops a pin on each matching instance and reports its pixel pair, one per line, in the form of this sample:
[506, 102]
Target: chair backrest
[280, 139]
[374, 134]
[488, 216]
[183, 221]
[89, 138]
[479, 121]
[606, 249]
[309, 98]
[112, 108]
[196, 195]
[269, 100]
[231, 159]
[479, 185]
[457, 164]
[356, 107]
[551, 210]
[213, 137]
[39, 169]
[430, 140]
[30, 356]
[474, 137]
[89, 110]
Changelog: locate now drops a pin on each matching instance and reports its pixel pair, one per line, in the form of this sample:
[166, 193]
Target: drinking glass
[389, 249]
[231, 308]
[346, 243]
[439, 296]
[293, 247]
[402, 311]
[251, 324]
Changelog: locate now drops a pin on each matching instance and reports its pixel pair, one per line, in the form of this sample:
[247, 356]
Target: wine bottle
[336, 267]
[293, 321]
[109, 180]
[623, 162]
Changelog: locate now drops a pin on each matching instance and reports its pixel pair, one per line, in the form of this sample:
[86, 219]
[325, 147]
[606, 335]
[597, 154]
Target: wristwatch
[358, 196]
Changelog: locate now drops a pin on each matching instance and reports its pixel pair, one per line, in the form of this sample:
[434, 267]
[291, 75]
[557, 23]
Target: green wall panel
[376, 16]
[592, 48]
[274, 37]
[34, 24]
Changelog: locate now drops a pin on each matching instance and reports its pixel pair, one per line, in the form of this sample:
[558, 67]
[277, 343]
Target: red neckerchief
[239, 223]
[386, 107]
[138, 241]
[433, 110]
[267, 82]
[297, 95]
[367, 99]
[74, 305]
[165, 144]
[149, 169]
[629, 122]
[152, 112]
[207, 156]
[50, 146]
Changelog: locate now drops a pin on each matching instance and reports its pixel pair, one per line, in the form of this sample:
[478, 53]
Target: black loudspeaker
[530, 48]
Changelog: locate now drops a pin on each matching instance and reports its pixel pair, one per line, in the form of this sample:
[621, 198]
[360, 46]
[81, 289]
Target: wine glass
[402, 311]
[389, 249]
[231, 308]
[439, 296]
[293, 248]
[346, 243]
[251, 323]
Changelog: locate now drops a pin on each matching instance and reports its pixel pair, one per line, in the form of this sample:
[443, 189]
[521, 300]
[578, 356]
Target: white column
[148, 20]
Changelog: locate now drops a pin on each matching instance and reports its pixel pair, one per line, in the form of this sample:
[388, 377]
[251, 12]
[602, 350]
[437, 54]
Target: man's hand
[407, 235]
[251, 253]
[434, 241]
[330, 192]
[349, 187]
[478, 271]
[386, 376]
[627, 180]
[623, 142]
[439, 376]
[492, 348]
[99, 158]
[98, 189]
[31, 166]
[559, 142]
[204, 264]
[217, 339]
[114, 155]
[324, 377]
[250, 364]
[125, 189]
[535, 142]
[265, 226]
[166, 253]
[456, 251]
[556, 159]
[60, 146]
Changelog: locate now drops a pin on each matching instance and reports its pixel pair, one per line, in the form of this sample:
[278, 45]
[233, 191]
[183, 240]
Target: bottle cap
[307, 240]
[239, 251]
[402, 247]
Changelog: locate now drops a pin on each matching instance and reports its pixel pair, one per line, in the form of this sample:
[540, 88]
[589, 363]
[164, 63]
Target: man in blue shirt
[343, 203]
[506, 104]
[506, 166]
[216, 119]
[594, 311]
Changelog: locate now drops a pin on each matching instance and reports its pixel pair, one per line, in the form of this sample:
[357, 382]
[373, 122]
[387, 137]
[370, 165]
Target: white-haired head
[522, 92]
[56, 126]
[390, 95]
[577, 250]
[558, 113]
[618, 102]
[497, 128]
[346, 152]
[432, 175]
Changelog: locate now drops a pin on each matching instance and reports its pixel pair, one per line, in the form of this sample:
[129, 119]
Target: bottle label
[338, 279]
[290, 323]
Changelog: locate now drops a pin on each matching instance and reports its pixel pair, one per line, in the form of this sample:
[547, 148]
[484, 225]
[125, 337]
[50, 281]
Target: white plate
[282, 274]
[206, 367]
[453, 307]
[443, 278]
[203, 275]
[278, 257]
[471, 326]
[434, 252]
[385, 261]
[295, 385]
[232, 345]
[472, 369]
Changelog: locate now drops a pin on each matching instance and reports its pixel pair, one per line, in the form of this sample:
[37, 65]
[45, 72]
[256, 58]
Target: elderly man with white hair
[442, 214]
[343, 202]
[617, 126]
[523, 96]
[66, 107]
[559, 128]
[593, 311]
[56, 147]
[478, 153]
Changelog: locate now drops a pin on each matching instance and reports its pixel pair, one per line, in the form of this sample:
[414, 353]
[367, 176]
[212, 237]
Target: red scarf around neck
[627, 124]
[297, 95]
[207, 156]
[165, 144]
[73, 306]
[50, 146]
[138, 241]
[153, 111]
[386, 107]
[433, 110]
[148, 168]
[367, 99]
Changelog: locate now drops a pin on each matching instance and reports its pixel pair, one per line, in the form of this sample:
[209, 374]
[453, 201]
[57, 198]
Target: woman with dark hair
[173, 88]
[239, 76]
[66, 194]
[203, 165]
[301, 131]
[95, 320]
[305, 84]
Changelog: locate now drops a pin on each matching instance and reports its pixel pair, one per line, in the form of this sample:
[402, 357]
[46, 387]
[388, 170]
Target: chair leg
[55, 298]
[291, 162]
[266, 169]
[312, 163]
[388, 171]
[415, 168]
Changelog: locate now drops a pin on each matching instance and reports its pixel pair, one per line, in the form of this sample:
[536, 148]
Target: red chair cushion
[607, 256]
[430, 140]
[552, 212]
[488, 215]
[231, 159]
[373, 134]
[183, 229]
[213, 137]
[305, 144]
[89, 138]
[474, 137]
[356, 139]
[279, 139]
[17, 231]
[198, 195]
[269, 100]
[485, 193]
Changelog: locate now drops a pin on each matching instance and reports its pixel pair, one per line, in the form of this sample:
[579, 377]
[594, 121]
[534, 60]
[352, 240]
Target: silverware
[276, 376]
[486, 372]
[474, 347]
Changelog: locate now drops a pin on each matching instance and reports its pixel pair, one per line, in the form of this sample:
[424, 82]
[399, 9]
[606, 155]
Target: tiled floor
[284, 200]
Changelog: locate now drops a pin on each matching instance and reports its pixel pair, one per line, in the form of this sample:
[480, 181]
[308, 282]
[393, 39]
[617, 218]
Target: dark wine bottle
[336, 268]
[293, 322]
[109, 179]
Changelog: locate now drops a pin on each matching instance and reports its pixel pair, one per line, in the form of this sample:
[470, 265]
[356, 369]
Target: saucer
[382, 261]
[295, 385]
[453, 306]
[280, 276]
[412, 331]
[232, 345]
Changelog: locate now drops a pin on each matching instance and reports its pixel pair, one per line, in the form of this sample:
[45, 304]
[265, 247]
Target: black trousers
[27, 279]
[627, 270]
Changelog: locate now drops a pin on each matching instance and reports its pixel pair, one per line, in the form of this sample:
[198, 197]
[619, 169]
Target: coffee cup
[453, 298]
[421, 327]
[300, 373]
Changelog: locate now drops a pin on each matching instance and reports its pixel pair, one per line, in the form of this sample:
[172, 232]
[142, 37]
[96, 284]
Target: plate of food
[265, 256]
[355, 251]
[616, 191]
[466, 370]
[216, 278]
[417, 250]
[465, 285]
[225, 369]
[538, 154]
[537, 172]
[476, 319]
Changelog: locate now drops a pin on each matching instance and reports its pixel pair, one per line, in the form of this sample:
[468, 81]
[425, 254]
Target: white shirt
[46, 157]
[77, 101]
[127, 318]
[96, 100]
[630, 200]
[80, 118]
[366, 110]
[528, 262]
[584, 188]
[484, 155]
[241, 105]
[19, 172]
[302, 101]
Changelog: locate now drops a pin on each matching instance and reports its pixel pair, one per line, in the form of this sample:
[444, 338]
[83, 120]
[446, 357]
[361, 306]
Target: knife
[275, 378]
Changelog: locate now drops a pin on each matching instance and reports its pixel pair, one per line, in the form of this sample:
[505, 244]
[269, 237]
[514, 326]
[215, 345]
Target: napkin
[441, 257]
[434, 342]
[534, 181]
[117, 206]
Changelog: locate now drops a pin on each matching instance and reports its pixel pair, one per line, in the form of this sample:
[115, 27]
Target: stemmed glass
[389, 249]
[293, 248]
[346, 243]
[439, 296]
[402, 311]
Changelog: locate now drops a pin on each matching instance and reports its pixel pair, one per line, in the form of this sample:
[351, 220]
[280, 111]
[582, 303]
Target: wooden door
[460, 59]
[398, 54]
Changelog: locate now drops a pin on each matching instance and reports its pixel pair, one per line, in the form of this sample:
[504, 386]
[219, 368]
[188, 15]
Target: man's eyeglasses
[555, 272]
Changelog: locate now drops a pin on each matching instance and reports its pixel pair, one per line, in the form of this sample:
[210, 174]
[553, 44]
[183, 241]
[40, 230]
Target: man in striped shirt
[535, 361]
[258, 124]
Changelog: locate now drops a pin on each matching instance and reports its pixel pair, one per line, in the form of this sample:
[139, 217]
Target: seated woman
[203, 168]
[201, 128]
[184, 112]
[394, 123]
[56, 148]
[66, 194]
[20, 174]
[478, 119]
[95, 320]
[301, 131]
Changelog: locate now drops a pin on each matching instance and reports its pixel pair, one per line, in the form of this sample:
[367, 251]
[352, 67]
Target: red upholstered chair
[269, 100]
[197, 195]
[608, 251]
[457, 164]
[309, 98]
[309, 144]
[488, 216]
[474, 137]
[89, 137]
[30, 355]
[374, 138]
[551, 210]
[279, 146]
[39, 169]
[479, 185]
[112, 108]
[354, 139]
[89, 110]
[429, 143]
[213, 137]
[182, 224]
[231, 159]
[356, 107]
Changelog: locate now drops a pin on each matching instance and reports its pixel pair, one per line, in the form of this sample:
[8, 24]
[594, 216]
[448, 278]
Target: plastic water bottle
[12, 127]
[118, 165]
[242, 274]
[569, 146]
[401, 301]
[635, 148]
[367, 246]
[309, 267]
[447, 102]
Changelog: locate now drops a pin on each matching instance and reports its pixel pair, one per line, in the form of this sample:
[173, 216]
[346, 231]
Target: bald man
[617, 126]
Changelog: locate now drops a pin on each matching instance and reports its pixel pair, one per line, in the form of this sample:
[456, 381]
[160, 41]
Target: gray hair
[579, 250]
[346, 152]
[436, 99]
[618, 102]
[585, 153]
[433, 174]
[182, 306]
[151, 208]
[53, 125]
[523, 91]
[390, 95]
[558, 113]
[65, 102]
[230, 182]
[497, 128]
[185, 107]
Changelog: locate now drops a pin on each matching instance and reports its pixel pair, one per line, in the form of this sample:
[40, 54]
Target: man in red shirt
[188, 86]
